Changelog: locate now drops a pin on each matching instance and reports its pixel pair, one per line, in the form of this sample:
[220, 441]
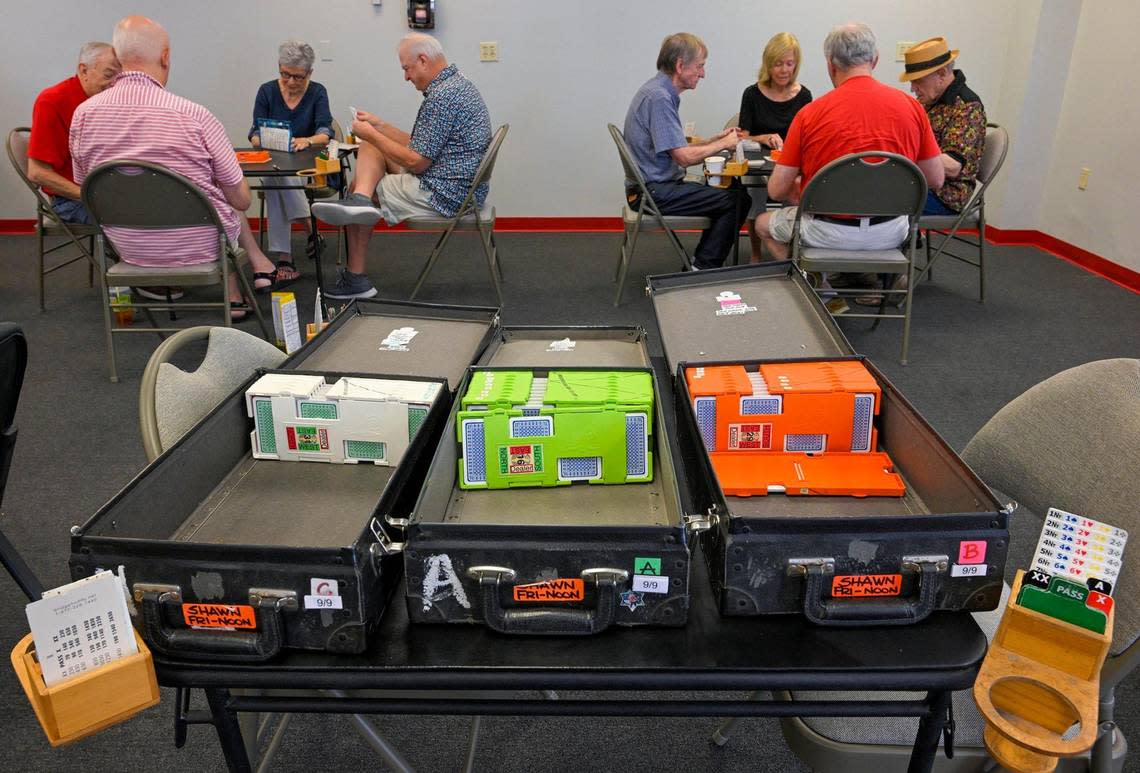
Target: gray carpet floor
[79, 444]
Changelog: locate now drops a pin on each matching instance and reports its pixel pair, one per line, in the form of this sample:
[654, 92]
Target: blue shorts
[71, 211]
[934, 206]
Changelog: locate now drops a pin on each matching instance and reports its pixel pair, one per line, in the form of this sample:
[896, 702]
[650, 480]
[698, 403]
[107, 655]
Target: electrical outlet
[1083, 180]
[324, 49]
[489, 52]
[900, 49]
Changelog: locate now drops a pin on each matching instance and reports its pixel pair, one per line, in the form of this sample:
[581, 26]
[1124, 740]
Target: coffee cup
[714, 165]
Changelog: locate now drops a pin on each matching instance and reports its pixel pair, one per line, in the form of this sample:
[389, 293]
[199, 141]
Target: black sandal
[264, 289]
[278, 282]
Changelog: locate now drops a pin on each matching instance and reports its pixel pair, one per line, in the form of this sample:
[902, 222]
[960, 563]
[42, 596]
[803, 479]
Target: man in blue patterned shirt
[426, 173]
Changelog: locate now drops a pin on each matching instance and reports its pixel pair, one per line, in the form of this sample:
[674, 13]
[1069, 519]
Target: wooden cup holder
[91, 701]
[1040, 677]
[324, 166]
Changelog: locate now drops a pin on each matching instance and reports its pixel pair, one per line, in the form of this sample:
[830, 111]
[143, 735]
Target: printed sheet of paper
[1079, 548]
[81, 626]
[275, 135]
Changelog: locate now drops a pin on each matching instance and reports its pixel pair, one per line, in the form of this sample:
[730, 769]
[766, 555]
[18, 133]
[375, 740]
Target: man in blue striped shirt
[423, 174]
[657, 142]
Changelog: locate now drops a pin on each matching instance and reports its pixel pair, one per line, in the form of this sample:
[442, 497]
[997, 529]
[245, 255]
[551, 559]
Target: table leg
[741, 192]
[317, 257]
[929, 733]
[229, 734]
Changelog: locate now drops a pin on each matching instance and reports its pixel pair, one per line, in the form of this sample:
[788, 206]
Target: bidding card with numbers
[81, 626]
[1081, 549]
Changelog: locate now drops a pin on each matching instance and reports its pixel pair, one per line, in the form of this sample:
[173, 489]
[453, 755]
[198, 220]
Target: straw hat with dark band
[926, 57]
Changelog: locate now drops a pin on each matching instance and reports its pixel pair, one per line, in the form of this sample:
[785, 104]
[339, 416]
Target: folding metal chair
[634, 220]
[870, 184]
[468, 218]
[142, 195]
[48, 223]
[973, 214]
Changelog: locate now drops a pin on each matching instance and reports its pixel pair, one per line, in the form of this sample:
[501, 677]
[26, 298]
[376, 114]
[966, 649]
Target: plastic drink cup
[714, 165]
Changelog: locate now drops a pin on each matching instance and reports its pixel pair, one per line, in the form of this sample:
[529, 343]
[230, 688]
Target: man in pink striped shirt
[137, 118]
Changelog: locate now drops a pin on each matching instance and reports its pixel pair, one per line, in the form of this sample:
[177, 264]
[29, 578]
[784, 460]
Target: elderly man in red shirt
[49, 158]
[860, 114]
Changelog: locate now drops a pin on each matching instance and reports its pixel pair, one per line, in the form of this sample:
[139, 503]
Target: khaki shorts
[401, 197]
[821, 233]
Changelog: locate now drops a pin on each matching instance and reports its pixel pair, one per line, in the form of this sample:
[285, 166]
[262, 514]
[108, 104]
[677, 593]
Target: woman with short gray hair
[304, 104]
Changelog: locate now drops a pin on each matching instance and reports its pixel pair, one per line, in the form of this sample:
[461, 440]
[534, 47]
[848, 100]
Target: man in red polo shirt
[49, 159]
[860, 114]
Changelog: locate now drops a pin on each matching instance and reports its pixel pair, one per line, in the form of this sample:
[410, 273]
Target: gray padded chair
[972, 216]
[635, 221]
[870, 184]
[48, 223]
[142, 195]
[469, 218]
[172, 400]
[1072, 442]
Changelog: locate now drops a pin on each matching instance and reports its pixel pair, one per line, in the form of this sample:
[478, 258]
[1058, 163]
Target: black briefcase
[573, 559]
[840, 560]
[231, 558]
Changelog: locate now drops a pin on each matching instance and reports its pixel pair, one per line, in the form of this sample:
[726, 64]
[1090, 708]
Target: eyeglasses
[290, 76]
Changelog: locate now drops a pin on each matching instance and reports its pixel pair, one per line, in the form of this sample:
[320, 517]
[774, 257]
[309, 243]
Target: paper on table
[750, 144]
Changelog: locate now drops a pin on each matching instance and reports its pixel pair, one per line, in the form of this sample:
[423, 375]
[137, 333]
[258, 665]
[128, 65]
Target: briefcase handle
[823, 610]
[260, 644]
[547, 620]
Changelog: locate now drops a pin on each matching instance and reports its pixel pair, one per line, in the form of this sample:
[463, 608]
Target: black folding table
[711, 653]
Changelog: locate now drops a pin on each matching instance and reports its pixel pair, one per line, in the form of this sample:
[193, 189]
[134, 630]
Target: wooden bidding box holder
[90, 702]
[1040, 676]
[731, 169]
[324, 166]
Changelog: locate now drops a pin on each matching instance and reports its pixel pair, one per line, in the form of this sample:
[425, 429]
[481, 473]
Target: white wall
[1099, 128]
[568, 68]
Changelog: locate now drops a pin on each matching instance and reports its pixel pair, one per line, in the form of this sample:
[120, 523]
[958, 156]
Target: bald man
[425, 173]
[138, 118]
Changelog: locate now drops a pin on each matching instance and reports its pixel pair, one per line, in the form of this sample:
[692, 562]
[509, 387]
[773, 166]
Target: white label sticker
[565, 345]
[321, 587]
[647, 583]
[398, 339]
[729, 303]
[324, 602]
[968, 570]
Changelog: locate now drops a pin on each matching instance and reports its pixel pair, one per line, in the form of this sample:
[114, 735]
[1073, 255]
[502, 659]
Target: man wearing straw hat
[956, 116]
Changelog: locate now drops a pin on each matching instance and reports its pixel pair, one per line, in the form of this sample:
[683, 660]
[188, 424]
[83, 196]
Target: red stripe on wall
[1089, 261]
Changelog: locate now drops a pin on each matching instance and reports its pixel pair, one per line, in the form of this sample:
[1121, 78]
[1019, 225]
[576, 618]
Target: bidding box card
[1080, 548]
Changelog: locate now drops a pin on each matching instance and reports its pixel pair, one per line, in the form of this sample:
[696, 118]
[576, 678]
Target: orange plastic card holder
[252, 156]
[745, 473]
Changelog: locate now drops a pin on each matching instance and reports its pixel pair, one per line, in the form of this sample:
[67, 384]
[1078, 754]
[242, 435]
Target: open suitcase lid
[760, 311]
[401, 337]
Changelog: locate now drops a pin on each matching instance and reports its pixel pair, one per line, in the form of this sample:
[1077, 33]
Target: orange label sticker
[855, 585]
[219, 615]
[551, 590]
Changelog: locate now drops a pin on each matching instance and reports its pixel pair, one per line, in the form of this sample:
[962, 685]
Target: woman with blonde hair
[769, 105]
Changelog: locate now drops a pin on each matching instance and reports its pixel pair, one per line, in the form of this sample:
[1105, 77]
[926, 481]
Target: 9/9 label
[647, 583]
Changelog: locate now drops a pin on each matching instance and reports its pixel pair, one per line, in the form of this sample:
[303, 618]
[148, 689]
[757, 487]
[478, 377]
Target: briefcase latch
[699, 523]
[384, 545]
[798, 567]
[270, 598]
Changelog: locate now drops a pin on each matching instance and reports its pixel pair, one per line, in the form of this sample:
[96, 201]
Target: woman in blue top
[293, 97]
